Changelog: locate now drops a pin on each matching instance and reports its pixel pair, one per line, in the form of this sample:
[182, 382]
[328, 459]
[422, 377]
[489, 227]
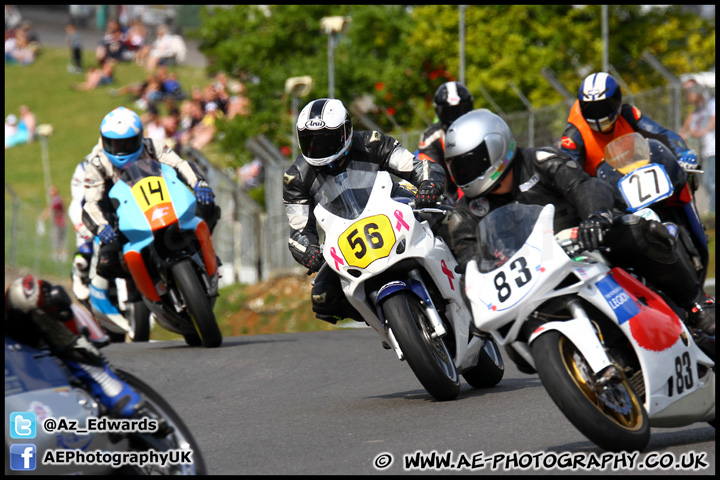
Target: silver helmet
[479, 147]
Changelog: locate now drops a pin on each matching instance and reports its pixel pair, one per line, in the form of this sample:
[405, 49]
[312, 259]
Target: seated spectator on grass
[19, 49]
[96, 77]
[112, 45]
[154, 127]
[168, 49]
[135, 41]
[20, 131]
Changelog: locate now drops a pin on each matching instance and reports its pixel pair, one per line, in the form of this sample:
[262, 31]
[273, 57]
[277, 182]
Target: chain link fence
[252, 242]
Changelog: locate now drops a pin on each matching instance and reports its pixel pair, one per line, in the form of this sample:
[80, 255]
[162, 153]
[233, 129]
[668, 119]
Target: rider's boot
[90, 367]
[80, 278]
[701, 317]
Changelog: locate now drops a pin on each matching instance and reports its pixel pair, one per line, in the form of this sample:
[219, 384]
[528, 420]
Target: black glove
[593, 229]
[427, 195]
[313, 259]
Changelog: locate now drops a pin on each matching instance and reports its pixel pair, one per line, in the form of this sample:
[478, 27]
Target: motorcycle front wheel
[139, 318]
[428, 357]
[197, 304]
[180, 439]
[490, 367]
[611, 416]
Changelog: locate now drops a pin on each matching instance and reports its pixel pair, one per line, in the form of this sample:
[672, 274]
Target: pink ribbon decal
[401, 223]
[338, 260]
[449, 273]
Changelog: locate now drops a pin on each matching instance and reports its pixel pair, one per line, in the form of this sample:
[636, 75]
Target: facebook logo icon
[23, 456]
[23, 425]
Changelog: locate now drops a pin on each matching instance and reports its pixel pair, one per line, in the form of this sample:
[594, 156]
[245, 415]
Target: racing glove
[204, 193]
[107, 235]
[593, 229]
[688, 160]
[427, 195]
[313, 259]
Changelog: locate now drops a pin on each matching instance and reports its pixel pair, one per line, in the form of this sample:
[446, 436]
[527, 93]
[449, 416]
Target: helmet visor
[447, 114]
[122, 146]
[324, 143]
[471, 165]
[601, 115]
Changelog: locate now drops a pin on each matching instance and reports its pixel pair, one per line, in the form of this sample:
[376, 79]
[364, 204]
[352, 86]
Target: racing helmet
[324, 132]
[600, 101]
[479, 148]
[23, 295]
[121, 133]
[451, 100]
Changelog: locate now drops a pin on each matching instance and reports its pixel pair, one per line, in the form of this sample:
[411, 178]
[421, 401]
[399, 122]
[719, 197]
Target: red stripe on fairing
[656, 327]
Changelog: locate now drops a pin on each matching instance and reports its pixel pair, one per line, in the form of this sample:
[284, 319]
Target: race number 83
[149, 192]
[367, 240]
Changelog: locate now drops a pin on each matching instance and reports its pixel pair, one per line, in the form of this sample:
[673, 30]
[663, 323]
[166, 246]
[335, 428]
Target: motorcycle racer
[451, 100]
[329, 146]
[598, 117]
[121, 144]
[491, 170]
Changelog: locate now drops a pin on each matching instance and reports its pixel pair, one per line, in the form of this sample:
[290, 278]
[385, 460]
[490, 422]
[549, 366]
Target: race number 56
[367, 240]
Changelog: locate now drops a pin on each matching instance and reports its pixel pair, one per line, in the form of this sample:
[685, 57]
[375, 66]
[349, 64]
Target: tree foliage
[398, 55]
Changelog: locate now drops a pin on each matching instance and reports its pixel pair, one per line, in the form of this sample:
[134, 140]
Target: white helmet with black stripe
[324, 132]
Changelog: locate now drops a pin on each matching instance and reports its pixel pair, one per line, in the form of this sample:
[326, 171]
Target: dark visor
[322, 144]
[469, 166]
[600, 109]
[122, 146]
[449, 113]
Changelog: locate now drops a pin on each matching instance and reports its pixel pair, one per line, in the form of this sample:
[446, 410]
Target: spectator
[24, 131]
[112, 44]
[167, 49]
[700, 124]
[12, 17]
[74, 43]
[230, 94]
[19, 49]
[135, 40]
[251, 174]
[172, 127]
[154, 127]
[56, 209]
[11, 128]
[96, 77]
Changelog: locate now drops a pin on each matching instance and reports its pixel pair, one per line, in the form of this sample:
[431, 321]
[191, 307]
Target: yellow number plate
[150, 192]
[367, 240]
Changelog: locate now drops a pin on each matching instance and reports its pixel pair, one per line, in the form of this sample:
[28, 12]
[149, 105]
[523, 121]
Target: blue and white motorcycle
[650, 182]
[38, 386]
[168, 250]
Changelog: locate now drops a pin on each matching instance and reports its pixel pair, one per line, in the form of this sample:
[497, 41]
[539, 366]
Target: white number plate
[645, 186]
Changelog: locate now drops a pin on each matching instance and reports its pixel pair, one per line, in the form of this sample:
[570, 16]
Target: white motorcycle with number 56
[614, 357]
[400, 277]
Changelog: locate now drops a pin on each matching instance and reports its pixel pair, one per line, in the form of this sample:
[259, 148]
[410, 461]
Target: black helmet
[452, 99]
[600, 101]
[324, 132]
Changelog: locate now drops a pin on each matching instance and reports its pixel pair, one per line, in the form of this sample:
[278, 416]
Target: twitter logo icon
[23, 425]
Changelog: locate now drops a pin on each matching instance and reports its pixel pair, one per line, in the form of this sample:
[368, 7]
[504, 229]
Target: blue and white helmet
[600, 101]
[324, 133]
[121, 133]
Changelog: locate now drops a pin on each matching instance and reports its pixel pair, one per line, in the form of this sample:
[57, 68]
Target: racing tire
[139, 318]
[490, 367]
[614, 420]
[180, 438]
[428, 357]
[197, 304]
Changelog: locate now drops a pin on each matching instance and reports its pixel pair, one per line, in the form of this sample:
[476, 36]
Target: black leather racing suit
[370, 150]
[432, 147]
[547, 175]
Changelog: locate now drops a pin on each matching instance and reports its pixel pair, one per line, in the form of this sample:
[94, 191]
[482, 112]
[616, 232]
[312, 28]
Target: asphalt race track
[336, 403]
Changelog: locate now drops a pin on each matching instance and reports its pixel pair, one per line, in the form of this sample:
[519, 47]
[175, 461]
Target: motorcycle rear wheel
[613, 419]
[197, 304]
[139, 322]
[428, 357]
[490, 367]
[179, 438]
